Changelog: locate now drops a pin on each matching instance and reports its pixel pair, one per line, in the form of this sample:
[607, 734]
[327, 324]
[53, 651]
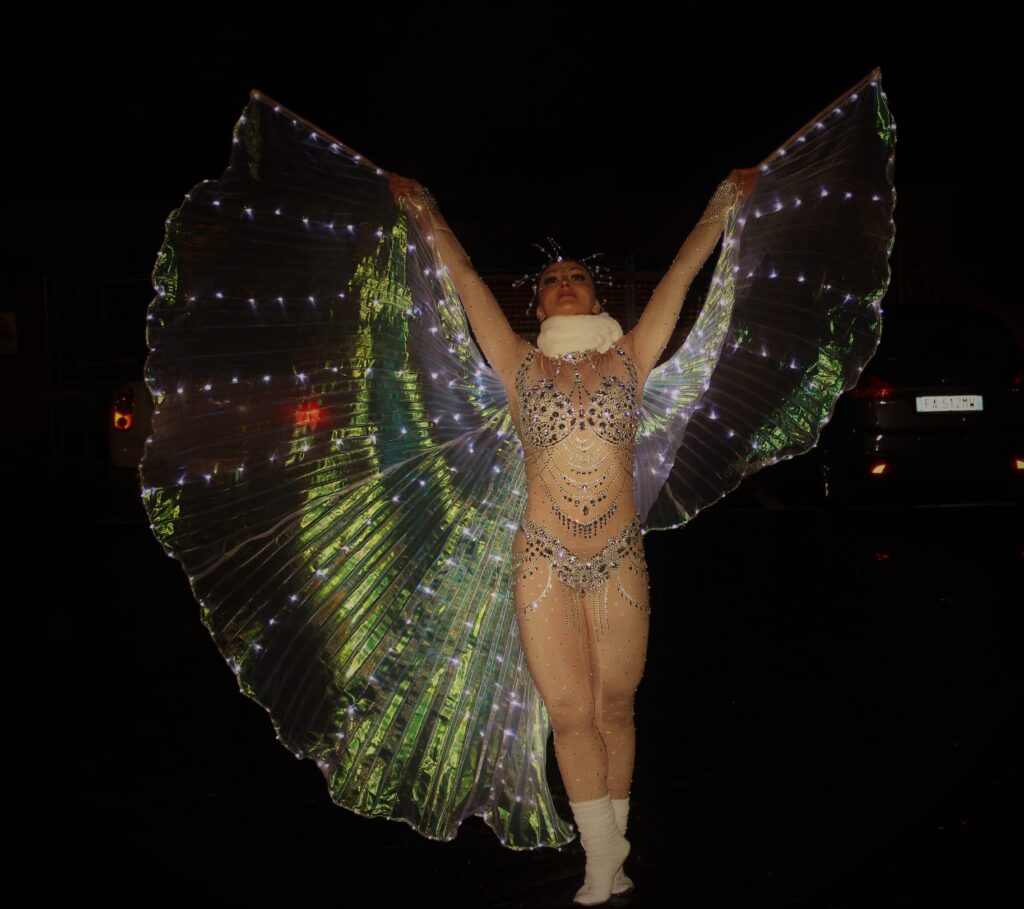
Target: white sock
[606, 848]
[621, 883]
[621, 809]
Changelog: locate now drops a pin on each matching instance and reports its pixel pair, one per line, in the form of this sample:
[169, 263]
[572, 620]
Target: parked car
[936, 416]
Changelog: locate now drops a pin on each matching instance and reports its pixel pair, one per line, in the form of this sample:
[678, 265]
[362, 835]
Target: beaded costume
[578, 446]
[339, 471]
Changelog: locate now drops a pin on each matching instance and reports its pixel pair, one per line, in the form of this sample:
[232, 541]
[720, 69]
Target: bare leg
[619, 656]
[587, 656]
[560, 662]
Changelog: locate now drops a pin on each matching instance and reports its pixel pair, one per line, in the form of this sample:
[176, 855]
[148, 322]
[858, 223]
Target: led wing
[333, 465]
[792, 317]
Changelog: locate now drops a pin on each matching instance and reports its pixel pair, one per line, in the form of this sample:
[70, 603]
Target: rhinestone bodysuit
[578, 418]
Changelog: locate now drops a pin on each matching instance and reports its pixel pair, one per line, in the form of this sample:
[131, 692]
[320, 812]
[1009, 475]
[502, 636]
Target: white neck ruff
[560, 335]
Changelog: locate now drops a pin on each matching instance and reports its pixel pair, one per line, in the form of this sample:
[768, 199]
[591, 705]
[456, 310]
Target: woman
[580, 575]
[333, 463]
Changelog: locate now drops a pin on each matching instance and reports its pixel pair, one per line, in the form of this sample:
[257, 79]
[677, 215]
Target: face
[566, 289]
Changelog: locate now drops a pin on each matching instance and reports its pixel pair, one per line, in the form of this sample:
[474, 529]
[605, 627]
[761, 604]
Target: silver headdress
[601, 274]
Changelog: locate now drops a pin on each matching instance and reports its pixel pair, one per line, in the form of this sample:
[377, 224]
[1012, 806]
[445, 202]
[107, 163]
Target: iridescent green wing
[333, 464]
[792, 317]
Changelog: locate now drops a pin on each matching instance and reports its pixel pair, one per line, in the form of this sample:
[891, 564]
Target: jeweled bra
[580, 442]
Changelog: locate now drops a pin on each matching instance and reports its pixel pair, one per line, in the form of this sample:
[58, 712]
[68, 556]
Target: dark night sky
[608, 130]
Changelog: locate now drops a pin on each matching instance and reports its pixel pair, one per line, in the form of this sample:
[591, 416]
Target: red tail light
[872, 387]
[308, 414]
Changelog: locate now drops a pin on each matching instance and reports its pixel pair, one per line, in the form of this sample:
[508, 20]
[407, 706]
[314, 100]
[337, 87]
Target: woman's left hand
[745, 178]
[402, 186]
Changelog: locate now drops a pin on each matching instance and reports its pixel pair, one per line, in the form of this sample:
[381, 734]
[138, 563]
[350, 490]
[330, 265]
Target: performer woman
[579, 570]
[331, 462]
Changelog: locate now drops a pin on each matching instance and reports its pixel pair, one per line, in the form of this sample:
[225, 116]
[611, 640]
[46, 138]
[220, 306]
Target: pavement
[827, 719]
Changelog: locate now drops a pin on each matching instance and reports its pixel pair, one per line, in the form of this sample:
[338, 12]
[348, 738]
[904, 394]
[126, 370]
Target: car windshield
[952, 339]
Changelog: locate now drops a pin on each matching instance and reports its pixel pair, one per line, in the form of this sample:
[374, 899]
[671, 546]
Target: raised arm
[502, 347]
[652, 332]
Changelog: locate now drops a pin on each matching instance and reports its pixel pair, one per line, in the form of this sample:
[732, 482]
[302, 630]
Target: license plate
[936, 403]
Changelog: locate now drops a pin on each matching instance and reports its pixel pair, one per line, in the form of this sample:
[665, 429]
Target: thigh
[619, 623]
[557, 654]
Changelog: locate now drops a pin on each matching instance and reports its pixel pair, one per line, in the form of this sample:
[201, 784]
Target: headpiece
[601, 274]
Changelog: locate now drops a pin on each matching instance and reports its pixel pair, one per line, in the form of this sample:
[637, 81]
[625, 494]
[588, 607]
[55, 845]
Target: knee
[617, 709]
[570, 713]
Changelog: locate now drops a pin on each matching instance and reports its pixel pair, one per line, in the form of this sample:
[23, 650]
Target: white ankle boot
[606, 848]
[621, 884]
